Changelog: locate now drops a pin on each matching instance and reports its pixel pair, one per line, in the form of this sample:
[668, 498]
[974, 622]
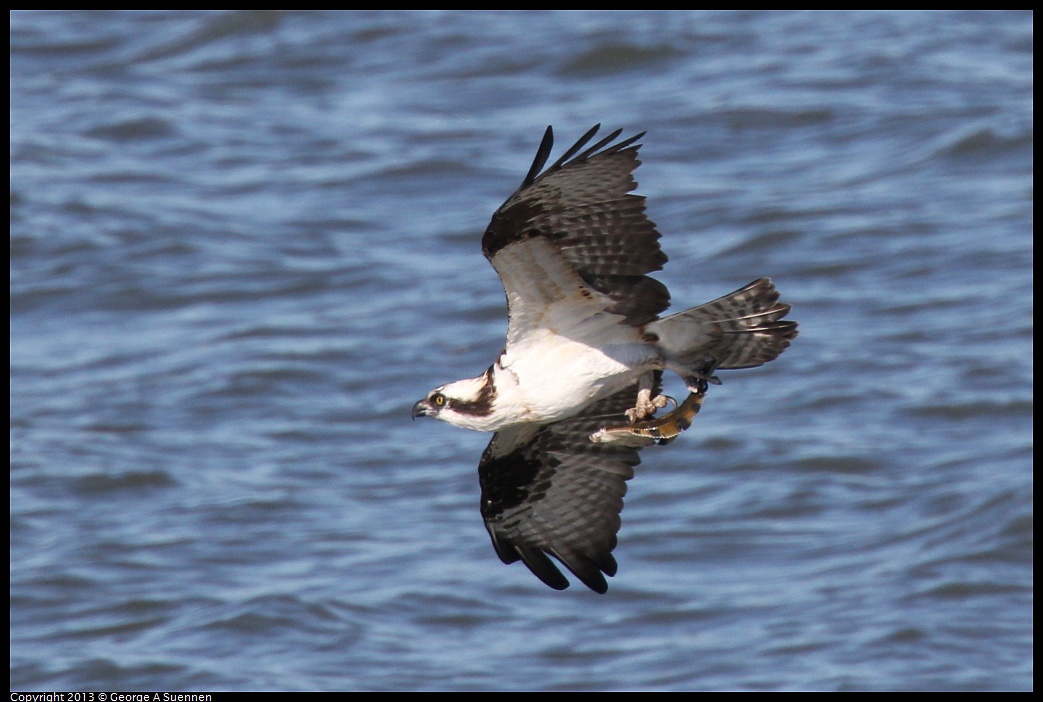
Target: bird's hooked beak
[422, 409]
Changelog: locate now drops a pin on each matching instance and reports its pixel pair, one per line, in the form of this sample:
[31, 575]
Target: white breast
[555, 377]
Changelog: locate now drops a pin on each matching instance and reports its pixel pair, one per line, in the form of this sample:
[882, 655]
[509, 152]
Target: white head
[465, 403]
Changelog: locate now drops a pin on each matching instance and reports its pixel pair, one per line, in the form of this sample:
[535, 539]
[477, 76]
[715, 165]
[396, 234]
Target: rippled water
[243, 244]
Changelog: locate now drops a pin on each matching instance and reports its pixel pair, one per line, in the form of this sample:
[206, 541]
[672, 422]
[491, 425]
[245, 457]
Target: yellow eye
[438, 399]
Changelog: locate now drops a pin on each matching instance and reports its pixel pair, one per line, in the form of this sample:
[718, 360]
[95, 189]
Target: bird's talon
[646, 406]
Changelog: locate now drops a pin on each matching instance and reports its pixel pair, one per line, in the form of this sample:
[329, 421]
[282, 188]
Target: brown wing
[579, 210]
[551, 490]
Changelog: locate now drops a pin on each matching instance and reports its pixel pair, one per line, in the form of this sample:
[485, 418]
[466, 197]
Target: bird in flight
[573, 396]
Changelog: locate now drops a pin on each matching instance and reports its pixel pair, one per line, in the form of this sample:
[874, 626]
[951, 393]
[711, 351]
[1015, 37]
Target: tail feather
[743, 329]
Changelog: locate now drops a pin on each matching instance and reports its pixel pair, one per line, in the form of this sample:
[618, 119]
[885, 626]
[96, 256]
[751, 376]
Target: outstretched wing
[574, 242]
[551, 490]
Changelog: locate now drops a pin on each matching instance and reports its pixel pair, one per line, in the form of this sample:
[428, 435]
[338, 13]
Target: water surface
[243, 244]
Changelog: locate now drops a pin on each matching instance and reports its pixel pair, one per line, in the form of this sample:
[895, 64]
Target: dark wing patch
[583, 205]
[551, 490]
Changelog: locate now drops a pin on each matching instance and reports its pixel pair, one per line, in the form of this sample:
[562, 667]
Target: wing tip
[542, 154]
[591, 570]
[542, 567]
[536, 171]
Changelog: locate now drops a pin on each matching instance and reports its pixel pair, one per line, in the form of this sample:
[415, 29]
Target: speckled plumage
[585, 208]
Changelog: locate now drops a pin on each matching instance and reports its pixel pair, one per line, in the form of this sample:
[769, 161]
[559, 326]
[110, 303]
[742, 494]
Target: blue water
[243, 244]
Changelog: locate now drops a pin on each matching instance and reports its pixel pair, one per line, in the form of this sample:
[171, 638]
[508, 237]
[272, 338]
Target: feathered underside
[581, 211]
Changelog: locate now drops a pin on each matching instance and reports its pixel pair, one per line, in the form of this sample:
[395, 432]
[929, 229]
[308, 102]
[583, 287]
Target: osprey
[585, 350]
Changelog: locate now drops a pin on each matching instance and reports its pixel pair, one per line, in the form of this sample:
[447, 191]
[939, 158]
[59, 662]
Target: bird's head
[464, 403]
[432, 405]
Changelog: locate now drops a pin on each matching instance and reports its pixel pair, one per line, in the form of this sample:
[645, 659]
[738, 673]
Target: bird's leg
[701, 376]
[646, 405]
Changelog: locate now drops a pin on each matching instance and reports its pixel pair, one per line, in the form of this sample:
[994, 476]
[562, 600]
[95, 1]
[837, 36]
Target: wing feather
[551, 490]
[580, 211]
